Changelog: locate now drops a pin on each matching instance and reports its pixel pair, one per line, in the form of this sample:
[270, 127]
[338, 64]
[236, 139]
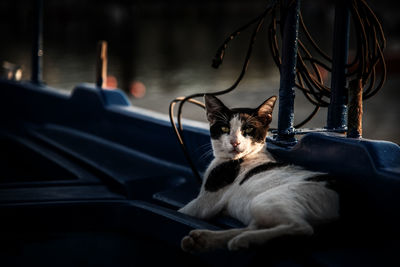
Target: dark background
[167, 47]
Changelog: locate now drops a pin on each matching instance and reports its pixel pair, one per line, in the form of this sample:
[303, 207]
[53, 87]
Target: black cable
[216, 62]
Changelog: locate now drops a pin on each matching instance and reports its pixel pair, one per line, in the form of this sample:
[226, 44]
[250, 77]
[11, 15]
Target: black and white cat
[244, 181]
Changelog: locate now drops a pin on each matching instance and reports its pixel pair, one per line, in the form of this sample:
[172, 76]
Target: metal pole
[337, 108]
[288, 72]
[37, 48]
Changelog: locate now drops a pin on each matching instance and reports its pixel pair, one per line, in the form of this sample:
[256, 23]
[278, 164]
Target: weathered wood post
[101, 64]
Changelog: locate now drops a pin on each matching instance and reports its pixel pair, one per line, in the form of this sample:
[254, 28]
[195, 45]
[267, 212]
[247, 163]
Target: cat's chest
[220, 175]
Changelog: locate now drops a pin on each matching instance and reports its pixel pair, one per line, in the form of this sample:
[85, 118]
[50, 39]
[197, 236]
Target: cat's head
[238, 132]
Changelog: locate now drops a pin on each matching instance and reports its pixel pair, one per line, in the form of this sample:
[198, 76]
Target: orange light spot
[112, 83]
[137, 89]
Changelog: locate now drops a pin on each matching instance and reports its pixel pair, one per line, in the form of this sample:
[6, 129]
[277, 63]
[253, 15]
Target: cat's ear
[266, 108]
[214, 108]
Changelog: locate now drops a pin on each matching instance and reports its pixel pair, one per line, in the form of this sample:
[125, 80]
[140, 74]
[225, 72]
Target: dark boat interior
[80, 189]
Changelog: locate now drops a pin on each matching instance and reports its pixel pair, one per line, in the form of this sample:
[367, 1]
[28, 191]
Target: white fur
[272, 203]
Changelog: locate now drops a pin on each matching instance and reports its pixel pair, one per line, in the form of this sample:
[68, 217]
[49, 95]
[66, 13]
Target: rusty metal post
[355, 109]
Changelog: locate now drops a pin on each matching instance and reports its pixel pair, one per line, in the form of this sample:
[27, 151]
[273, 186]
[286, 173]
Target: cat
[245, 182]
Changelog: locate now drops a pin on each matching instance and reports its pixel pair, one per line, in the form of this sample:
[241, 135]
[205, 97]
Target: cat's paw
[239, 242]
[196, 241]
[187, 244]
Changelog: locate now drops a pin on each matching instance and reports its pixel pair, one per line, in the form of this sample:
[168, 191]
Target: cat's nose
[235, 143]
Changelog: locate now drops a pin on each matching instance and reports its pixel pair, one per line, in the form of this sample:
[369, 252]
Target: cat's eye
[248, 130]
[225, 129]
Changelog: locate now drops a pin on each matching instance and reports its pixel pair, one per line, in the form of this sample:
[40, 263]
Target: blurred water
[168, 48]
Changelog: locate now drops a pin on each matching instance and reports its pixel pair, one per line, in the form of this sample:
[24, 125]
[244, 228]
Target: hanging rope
[309, 80]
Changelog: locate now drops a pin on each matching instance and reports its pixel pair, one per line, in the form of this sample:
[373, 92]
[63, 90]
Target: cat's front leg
[205, 206]
[192, 208]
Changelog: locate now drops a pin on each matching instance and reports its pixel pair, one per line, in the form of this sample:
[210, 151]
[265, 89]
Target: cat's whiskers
[206, 145]
[207, 151]
[206, 154]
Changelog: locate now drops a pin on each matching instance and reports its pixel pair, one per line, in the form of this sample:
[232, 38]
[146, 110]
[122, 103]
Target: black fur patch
[329, 179]
[223, 175]
[215, 129]
[262, 168]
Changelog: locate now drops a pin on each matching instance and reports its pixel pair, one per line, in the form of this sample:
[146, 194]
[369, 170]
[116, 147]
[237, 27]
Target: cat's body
[244, 181]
